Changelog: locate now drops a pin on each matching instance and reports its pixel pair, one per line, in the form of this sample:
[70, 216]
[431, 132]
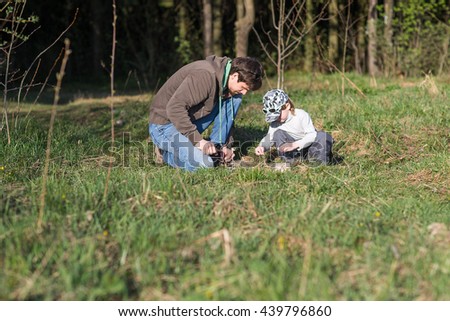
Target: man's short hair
[250, 71]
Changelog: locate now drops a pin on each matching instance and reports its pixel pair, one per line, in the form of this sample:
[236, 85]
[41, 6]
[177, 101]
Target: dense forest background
[154, 38]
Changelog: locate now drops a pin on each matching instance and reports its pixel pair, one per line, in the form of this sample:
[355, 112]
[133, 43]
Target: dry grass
[215, 240]
[116, 100]
[429, 85]
[435, 181]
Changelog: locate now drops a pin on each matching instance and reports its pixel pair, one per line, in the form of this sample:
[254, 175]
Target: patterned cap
[273, 101]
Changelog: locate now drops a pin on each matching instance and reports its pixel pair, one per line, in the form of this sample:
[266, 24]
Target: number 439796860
[294, 310]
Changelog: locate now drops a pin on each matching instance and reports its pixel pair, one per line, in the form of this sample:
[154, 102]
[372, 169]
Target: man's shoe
[158, 155]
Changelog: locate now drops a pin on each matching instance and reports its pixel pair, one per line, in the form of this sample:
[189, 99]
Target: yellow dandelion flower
[2, 168]
[281, 243]
[209, 294]
[377, 214]
[105, 233]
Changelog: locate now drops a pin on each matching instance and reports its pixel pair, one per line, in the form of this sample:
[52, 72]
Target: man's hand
[287, 147]
[259, 150]
[206, 147]
[228, 154]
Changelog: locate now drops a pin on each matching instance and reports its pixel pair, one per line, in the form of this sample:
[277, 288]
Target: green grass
[360, 230]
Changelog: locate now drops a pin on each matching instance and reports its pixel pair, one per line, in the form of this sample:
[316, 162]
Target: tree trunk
[184, 46]
[309, 41]
[444, 56]
[388, 58]
[183, 21]
[217, 27]
[359, 41]
[96, 38]
[281, 44]
[333, 40]
[245, 19]
[372, 45]
[207, 28]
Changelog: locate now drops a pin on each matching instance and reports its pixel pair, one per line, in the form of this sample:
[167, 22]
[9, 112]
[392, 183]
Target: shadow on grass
[246, 137]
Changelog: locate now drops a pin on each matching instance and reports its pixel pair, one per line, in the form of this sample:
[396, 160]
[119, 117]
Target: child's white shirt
[298, 126]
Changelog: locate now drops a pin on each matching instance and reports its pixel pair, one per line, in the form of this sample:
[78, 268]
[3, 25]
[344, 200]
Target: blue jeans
[179, 152]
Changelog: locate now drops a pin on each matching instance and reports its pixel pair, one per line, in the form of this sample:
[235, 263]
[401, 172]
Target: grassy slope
[361, 230]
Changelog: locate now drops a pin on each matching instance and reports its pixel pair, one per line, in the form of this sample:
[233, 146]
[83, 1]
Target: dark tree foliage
[55, 16]
[150, 48]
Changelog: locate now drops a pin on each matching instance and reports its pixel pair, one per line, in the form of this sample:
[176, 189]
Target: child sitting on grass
[292, 131]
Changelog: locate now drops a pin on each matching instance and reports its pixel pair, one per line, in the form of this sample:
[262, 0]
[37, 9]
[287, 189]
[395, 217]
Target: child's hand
[287, 147]
[259, 150]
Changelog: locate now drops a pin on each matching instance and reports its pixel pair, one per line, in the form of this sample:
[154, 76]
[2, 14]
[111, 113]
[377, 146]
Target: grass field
[375, 227]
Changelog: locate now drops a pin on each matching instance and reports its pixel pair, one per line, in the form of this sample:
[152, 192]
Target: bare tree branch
[44, 51]
[111, 103]
[291, 30]
[59, 77]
